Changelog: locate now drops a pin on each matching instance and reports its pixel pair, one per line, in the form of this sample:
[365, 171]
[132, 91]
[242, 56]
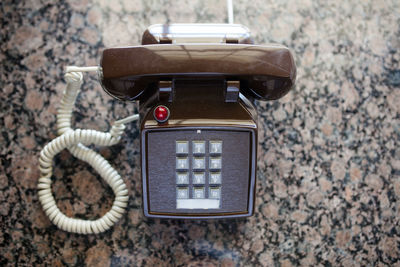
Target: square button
[199, 147]
[199, 163]
[215, 192]
[182, 192]
[182, 163]
[182, 178]
[199, 178]
[198, 192]
[215, 177]
[215, 163]
[215, 147]
[182, 147]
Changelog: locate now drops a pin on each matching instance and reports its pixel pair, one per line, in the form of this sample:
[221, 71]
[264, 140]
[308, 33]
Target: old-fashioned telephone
[196, 85]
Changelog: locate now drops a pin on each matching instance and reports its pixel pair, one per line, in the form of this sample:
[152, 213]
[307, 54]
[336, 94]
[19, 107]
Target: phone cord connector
[76, 141]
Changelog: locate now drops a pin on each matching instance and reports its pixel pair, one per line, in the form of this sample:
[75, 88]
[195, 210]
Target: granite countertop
[329, 159]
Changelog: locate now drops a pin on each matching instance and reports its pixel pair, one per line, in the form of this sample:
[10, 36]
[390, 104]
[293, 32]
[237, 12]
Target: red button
[161, 113]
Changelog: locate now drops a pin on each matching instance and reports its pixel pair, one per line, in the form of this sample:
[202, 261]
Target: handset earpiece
[277, 84]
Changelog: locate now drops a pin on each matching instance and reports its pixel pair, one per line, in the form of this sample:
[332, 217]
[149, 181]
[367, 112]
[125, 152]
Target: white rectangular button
[199, 147]
[182, 192]
[199, 178]
[215, 147]
[204, 203]
[198, 192]
[215, 192]
[215, 163]
[215, 177]
[199, 163]
[182, 147]
[182, 178]
[182, 163]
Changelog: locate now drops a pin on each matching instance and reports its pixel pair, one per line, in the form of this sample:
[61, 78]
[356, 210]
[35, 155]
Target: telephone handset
[265, 72]
[196, 85]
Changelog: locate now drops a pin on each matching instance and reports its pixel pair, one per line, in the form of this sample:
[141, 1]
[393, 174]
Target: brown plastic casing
[199, 112]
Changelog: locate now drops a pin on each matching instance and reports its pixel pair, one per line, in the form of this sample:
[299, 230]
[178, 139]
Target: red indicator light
[161, 113]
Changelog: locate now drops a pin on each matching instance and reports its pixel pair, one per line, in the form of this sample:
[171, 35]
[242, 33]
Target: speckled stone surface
[329, 159]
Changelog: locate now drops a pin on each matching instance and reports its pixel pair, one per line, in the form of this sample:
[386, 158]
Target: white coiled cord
[75, 141]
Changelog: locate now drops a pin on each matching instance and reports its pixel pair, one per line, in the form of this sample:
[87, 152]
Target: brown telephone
[196, 84]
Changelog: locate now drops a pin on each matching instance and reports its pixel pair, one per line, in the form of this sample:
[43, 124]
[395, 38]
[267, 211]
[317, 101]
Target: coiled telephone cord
[76, 141]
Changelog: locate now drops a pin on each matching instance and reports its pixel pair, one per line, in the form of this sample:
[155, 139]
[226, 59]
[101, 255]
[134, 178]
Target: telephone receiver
[196, 85]
[173, 53]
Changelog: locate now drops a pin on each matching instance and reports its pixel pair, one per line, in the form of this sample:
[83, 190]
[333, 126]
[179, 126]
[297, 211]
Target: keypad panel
[198, 172]
[204, 162]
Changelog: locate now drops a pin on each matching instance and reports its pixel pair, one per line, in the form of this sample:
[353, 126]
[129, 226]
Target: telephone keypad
[198, 174]
[174, 185]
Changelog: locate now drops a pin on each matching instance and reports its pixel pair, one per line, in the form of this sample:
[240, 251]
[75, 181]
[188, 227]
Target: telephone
[196, 85]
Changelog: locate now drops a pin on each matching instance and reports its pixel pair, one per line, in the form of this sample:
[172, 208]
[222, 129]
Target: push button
[199, 178]
[215, 192]
[182, 178]
[182, 192]
[199, 147]
[215, 163]
[215, 147]
[182, 147]
[182, 163]
[198, 192]
[199, 163]
[215, 177]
